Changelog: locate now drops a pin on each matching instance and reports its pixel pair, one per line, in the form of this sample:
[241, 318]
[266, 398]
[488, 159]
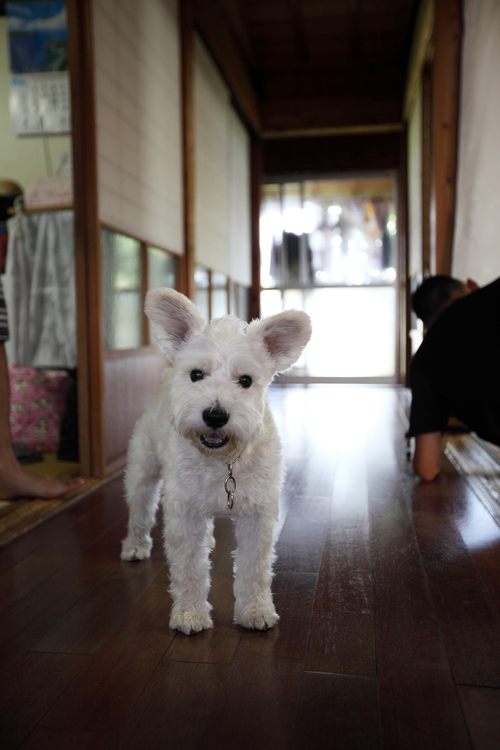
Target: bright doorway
[329, 247]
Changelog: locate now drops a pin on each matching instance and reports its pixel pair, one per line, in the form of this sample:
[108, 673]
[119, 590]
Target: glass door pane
[353, 332]
[121, 290]
[329, 248]
[202, 291]
[162, 268]
[351, 227]
[219, 295]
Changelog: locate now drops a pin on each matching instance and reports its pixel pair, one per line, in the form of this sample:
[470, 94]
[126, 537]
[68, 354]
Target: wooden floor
[388, 591]
[21, 515]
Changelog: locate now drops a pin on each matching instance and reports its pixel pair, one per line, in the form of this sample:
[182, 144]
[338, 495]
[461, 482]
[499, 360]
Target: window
[238, 300]
[162, 269]
[219, 295]
[202, 291]
[122, 291]
[127, 264]
[216, 295]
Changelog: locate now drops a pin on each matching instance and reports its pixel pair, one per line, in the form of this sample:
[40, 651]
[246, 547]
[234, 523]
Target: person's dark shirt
[456, 370]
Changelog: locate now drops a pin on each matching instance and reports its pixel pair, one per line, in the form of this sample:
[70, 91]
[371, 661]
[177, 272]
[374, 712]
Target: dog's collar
[230, 484]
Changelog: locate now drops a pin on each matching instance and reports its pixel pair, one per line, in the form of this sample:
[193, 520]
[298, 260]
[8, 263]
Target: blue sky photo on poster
[38, 37]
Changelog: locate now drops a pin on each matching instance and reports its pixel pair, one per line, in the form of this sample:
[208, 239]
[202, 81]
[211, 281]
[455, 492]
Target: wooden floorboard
[21, 515]
[467, 616]
[337, 711]
[388, 592]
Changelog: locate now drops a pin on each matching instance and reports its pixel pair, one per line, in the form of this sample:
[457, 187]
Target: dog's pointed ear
[283, 336]
[174, 318]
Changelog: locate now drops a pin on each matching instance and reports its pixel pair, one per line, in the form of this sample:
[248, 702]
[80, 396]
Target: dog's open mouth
[212, 440]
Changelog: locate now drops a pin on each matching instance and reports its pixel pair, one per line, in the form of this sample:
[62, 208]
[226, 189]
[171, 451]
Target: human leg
[15, 480]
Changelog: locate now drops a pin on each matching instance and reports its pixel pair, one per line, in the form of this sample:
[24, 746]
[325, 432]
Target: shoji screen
[211, 101]
[138, 105]
[222, 158]
[239, 202]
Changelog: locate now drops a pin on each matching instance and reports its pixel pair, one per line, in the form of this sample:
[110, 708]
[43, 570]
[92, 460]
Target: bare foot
[16, 481]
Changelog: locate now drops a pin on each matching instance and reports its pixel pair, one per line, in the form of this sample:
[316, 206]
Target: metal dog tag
[230, 486]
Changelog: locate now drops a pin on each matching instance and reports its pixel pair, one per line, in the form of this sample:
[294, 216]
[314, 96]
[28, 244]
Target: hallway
[388, 592]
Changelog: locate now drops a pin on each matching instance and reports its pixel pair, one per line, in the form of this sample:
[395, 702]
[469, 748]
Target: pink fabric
[37, 400]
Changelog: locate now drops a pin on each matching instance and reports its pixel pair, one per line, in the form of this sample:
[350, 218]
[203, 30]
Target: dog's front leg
[253, 561]
[187, 549]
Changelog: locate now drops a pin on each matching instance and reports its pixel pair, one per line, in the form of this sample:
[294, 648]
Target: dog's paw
[133, 551]
[191, 621]
[257, 618]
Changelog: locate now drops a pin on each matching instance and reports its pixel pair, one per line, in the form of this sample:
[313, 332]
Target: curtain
[40, 289]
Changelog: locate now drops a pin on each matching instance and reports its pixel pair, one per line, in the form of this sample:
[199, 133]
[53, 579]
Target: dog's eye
[196, 375]
[245, 381]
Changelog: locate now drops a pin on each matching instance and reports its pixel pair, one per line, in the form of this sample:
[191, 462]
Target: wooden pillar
[87, 241]
[428, 228]
[404, 342]
[255, 187]
[447, 56]
[188, 157]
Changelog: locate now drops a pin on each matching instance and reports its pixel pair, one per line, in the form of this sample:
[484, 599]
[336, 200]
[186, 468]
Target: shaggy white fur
[211, 411]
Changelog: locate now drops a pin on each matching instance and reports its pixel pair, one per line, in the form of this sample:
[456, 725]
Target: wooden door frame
[428, 198]
[90, 352]
[448, 29]
[188, 260]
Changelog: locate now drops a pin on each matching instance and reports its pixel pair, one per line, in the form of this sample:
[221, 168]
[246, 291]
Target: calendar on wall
[39, 95]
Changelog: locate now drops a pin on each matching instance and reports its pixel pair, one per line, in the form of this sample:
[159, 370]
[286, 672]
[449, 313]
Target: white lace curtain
[40, 289]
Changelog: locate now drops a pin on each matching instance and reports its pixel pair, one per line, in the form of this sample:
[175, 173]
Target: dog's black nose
[216, 417]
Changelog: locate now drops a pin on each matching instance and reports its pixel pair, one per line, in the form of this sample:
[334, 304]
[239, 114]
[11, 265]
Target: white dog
[209, 438]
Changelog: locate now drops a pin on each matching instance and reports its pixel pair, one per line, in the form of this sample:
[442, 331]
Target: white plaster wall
[239, 229]
[22, 158]
[212, 137]
[415, 187]
[138, 115]
[222, 159]
[477, 227]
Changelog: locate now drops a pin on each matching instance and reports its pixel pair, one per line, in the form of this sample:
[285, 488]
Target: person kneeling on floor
[456, 370]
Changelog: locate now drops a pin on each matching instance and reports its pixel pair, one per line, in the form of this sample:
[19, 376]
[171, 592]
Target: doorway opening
[329, 248]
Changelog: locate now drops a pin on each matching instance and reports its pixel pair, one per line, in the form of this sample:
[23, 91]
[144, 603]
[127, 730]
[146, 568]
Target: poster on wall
[39, 75]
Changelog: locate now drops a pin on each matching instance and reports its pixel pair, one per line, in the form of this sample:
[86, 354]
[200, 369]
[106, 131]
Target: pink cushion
[37, 401]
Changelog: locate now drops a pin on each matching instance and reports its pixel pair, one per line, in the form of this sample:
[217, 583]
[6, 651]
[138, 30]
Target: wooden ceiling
[322, 64]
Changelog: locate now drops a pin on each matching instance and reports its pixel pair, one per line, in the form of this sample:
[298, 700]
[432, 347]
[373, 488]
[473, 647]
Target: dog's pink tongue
[213, 438]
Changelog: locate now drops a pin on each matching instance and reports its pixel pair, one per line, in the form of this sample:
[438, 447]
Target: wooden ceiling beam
[388, 127]
[234, 18]
[301, 113]
[343, 155]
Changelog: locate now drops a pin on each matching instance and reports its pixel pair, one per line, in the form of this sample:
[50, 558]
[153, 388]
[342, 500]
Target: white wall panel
[477, 228]
[415, 187]
[222, 159]
[239, 202]
[212, 137]
[138, 113]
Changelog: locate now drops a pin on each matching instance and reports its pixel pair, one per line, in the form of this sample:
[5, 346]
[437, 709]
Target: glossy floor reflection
[388, 591]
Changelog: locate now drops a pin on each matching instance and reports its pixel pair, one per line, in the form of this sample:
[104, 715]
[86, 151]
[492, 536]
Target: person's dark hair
[434, 294]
